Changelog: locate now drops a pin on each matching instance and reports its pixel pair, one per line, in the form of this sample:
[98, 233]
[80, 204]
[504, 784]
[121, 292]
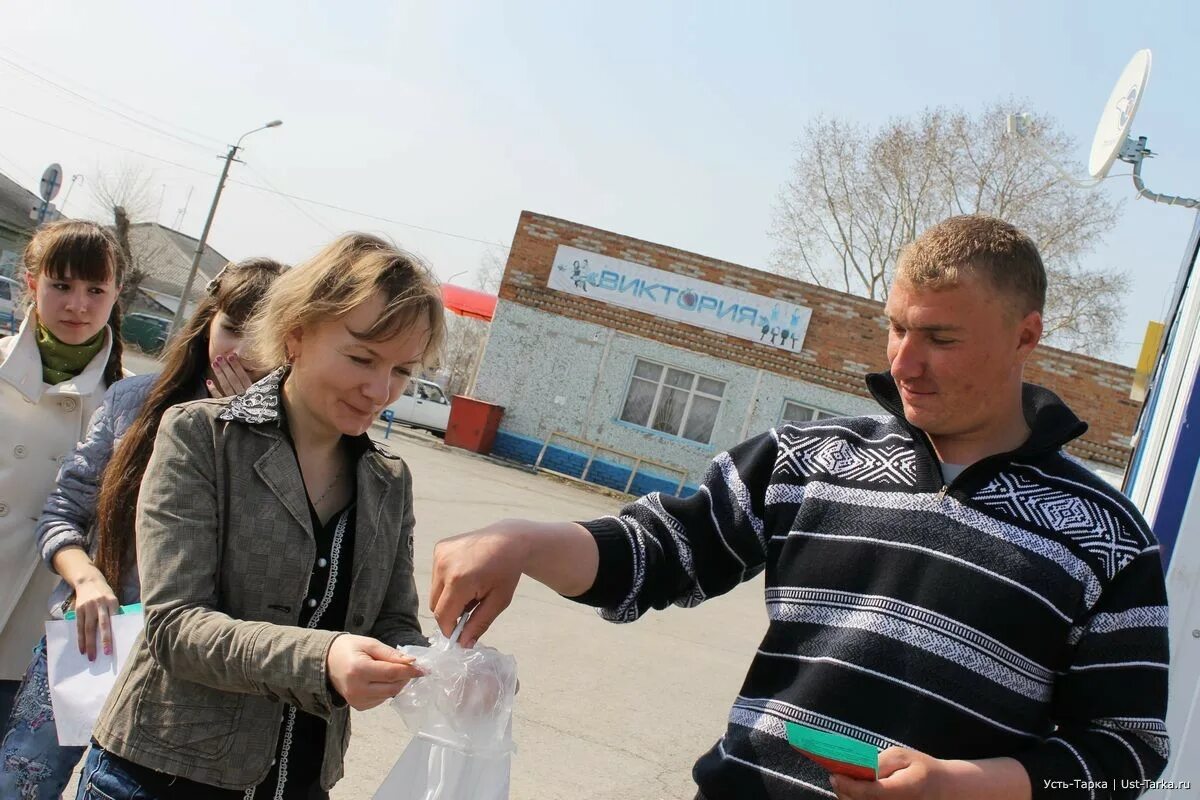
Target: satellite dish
[1112, 140]
[1117, 119]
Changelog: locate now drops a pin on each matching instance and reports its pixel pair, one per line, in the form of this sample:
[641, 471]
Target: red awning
[468, 302]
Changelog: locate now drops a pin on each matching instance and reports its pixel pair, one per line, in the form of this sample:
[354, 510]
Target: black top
[301, 748]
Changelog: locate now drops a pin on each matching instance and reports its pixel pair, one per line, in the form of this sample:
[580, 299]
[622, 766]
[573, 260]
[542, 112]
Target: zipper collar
[1051, 423]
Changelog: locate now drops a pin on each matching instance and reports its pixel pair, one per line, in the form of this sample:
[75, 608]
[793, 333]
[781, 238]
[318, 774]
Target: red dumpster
[473, 424]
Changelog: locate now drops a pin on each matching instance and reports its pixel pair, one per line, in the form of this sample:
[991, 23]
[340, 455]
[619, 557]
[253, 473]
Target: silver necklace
[328, 488]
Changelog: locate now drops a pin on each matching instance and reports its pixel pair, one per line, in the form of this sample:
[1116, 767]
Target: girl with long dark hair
[86, 531]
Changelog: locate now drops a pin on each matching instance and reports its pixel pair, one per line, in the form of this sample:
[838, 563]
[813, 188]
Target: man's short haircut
[980, 245]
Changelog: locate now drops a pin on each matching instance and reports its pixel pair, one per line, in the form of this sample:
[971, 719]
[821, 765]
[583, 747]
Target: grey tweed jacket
[225, 551]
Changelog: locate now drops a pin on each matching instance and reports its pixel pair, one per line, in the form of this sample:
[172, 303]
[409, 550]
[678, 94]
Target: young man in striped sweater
[942, 580]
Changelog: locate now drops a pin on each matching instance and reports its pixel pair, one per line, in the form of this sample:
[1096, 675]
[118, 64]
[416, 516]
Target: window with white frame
[673, 401]
[798, 412]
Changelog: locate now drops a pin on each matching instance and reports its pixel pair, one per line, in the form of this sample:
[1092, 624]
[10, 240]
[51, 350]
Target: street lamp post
[63, 207]
[212, 211]
[455, 275]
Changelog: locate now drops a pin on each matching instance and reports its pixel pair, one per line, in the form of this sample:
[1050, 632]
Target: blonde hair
[979, 245]
[344, 275]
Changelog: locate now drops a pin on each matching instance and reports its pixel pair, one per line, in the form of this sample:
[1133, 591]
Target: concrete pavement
[138, 362]
[606, 711]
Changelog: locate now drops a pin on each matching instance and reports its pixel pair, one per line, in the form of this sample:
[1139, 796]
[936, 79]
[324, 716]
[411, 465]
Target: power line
[256, 187]
[290, 201]
[114, 111]
[105, 142]
[370, 216]
[101, 106]
[18, 172]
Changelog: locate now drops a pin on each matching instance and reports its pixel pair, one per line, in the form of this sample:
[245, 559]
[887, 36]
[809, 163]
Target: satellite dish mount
[1113, 142]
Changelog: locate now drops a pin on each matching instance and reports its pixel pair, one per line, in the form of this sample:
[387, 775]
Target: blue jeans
[103, 779]
[32, 764]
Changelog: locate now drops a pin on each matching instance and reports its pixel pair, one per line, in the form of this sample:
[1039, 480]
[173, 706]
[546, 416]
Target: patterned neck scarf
[60, 361]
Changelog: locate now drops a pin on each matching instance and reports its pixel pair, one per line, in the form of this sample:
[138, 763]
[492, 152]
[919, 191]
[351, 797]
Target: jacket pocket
[184, 716]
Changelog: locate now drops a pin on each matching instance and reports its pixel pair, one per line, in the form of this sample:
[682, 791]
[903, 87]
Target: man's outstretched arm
[660, 550]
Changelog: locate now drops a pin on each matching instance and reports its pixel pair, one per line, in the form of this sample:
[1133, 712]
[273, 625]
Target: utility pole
[212, 212]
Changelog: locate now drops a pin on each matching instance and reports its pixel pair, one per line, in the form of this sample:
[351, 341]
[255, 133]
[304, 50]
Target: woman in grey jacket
[274, 539]
[85, 533]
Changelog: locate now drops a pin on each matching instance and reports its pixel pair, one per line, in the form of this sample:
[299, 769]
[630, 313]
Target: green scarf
[61, 361]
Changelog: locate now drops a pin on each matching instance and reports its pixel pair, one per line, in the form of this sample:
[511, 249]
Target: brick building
[590, 340]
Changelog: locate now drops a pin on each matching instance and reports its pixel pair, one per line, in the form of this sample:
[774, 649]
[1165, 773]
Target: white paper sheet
[78, 687]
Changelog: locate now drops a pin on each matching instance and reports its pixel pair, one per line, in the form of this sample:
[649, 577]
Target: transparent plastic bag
[460, 714]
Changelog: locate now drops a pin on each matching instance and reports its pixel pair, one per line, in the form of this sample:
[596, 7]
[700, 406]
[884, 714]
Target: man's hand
[482, 568]
[479, 569]
[911, 775]
[365, 671]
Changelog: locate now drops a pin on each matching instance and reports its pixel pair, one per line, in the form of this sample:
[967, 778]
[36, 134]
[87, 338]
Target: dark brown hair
[79, 250]
[986, 246]
[236, 291]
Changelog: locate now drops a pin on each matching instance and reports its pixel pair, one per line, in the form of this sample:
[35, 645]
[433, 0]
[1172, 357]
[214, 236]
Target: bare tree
[466, 337]
[126, 193]
[490, 272]
[134, 272]
[855, 198]
[128, 185]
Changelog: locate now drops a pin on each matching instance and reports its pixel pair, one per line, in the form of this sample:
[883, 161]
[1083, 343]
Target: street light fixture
[212, 211]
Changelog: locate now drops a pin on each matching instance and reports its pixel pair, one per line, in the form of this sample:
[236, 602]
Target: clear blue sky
[672, 122]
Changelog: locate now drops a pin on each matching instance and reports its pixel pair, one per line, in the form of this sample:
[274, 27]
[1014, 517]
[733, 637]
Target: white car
[10, 310]
[423, 405]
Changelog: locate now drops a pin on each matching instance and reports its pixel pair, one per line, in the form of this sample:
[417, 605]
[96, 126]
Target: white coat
[40, 425]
